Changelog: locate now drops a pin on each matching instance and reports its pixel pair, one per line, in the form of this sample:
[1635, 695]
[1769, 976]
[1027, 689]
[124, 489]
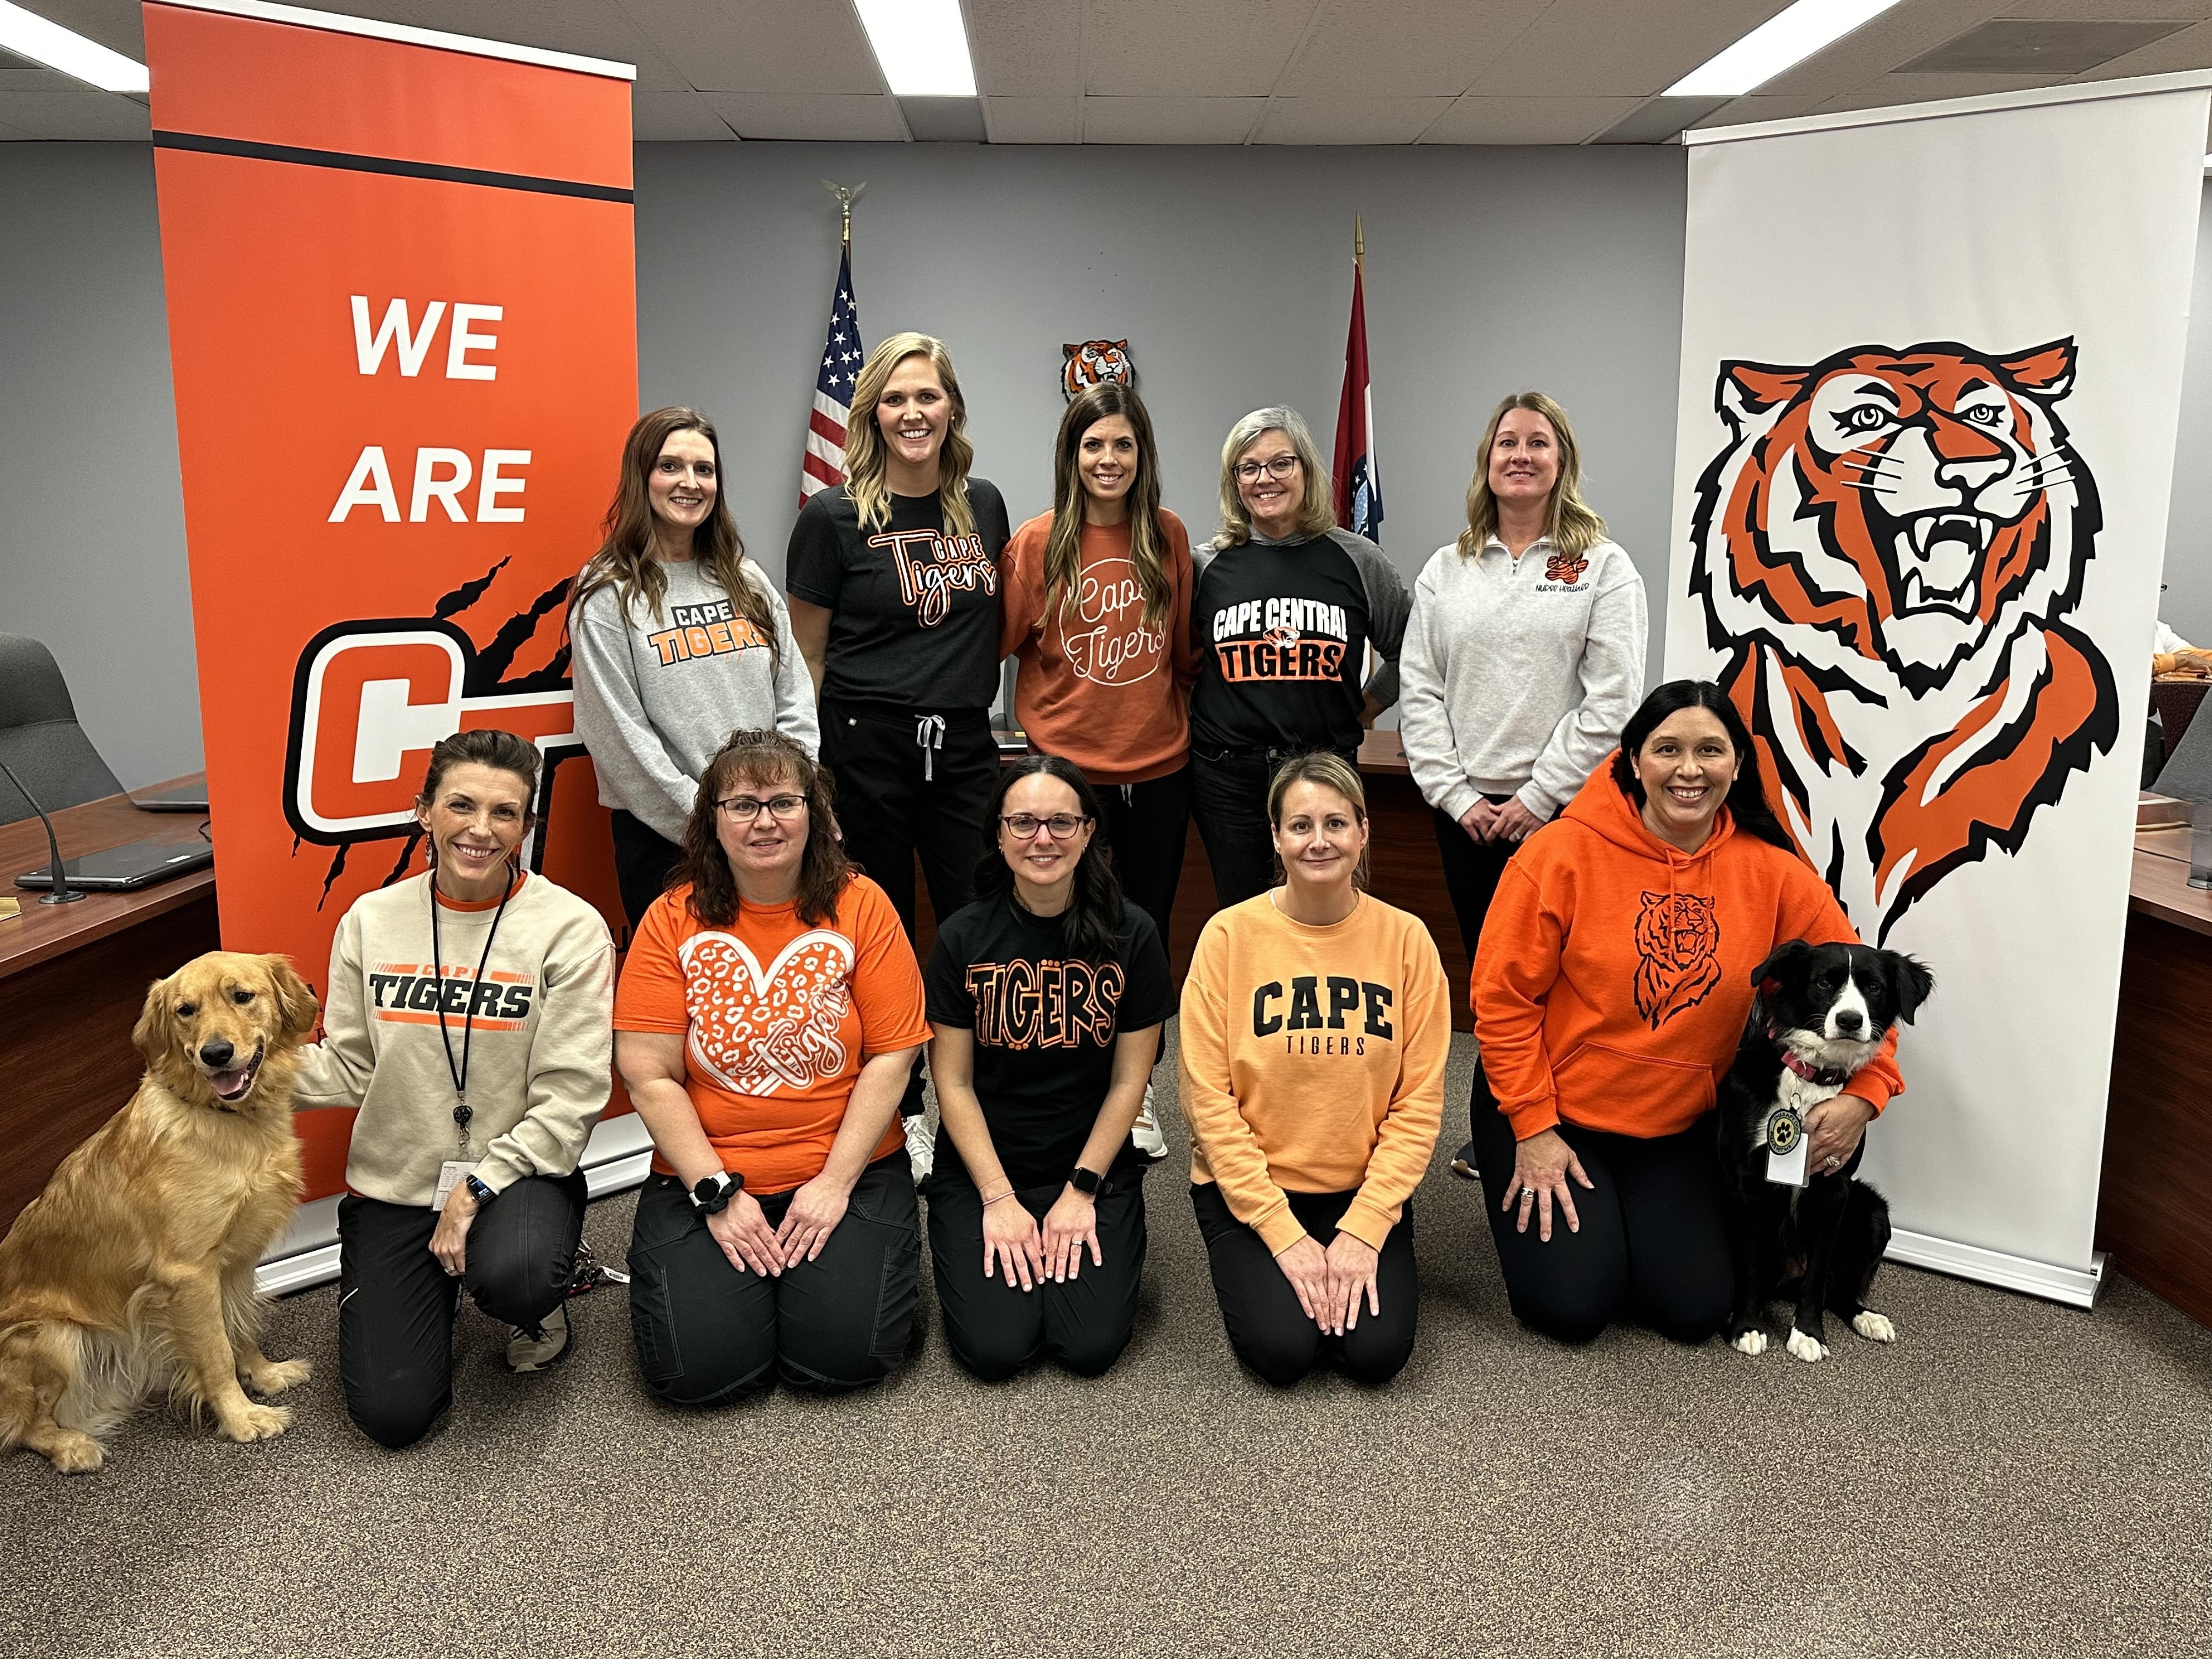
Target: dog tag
[452, 1172]
[1785, 1148]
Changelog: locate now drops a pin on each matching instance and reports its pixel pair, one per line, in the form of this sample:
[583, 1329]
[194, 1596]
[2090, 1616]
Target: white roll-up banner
[1931, 369]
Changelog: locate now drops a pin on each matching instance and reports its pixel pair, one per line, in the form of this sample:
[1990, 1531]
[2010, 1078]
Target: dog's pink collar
[1809, 1073]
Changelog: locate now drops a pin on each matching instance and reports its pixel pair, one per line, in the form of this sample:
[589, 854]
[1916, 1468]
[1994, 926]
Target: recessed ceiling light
[1788, 37]
[29, 35]
[922, 45]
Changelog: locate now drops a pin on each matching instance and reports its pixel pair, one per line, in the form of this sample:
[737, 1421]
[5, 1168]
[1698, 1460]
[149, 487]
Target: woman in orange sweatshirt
[1611, 987]
[1315, 1022]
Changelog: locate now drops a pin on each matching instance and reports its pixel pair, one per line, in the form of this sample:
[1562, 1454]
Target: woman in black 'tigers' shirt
[1283, 610]
[893, 579]
[1046, 995]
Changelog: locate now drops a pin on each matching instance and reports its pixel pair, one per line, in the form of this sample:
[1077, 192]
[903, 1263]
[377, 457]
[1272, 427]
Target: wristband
[1001, 1198]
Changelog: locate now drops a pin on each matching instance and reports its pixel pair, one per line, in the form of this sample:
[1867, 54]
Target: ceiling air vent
[2015, 46]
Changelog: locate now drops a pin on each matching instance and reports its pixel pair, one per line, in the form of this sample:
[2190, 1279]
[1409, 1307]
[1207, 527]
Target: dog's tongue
[231, 1084]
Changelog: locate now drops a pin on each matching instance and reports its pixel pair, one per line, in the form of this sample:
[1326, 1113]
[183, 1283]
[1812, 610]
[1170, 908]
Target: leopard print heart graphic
[754, 1031]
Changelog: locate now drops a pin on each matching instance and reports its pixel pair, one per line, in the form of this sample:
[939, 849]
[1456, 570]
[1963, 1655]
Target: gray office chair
[39, 737]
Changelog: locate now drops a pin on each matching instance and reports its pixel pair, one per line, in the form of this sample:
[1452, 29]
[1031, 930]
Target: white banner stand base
[616, 1158]
[2074, 1287]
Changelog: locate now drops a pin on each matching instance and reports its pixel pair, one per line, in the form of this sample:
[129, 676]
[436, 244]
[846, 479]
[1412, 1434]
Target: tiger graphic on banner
[1889, 548]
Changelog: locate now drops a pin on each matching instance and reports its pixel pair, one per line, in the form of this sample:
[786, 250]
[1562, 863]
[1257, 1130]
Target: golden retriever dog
[134, 1269]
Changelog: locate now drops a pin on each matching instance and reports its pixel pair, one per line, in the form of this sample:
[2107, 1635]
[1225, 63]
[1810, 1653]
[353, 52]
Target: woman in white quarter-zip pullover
[1523, 655]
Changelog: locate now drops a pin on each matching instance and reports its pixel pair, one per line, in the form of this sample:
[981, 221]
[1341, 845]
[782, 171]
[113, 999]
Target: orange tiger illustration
[1566, 568]
[1678, 941]
[1887, 548]
[1091, 363]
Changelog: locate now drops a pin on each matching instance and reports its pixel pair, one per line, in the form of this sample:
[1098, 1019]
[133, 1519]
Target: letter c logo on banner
[369, 702]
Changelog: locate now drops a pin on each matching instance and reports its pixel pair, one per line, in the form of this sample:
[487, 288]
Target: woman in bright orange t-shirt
[768, 1014]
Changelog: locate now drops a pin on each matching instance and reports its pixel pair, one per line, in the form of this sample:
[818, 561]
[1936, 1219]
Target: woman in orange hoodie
[1611, 987]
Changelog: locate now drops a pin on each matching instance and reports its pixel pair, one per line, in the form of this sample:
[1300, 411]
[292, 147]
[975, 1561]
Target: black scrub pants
[1472, 869]
[906, 788]
[642, 861]
[996, 1329]
[395, 1302]
[708, 1332]
[1229, 803]
[1652, 1247]
[1145, 827]
[1267, 1329]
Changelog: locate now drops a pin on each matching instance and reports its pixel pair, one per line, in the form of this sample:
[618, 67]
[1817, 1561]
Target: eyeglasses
[1026, 825]
[1281, 467]
[744, 809]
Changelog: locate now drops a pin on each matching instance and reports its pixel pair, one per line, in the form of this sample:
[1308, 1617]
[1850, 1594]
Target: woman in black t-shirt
[1285, 607]
[1045, 997]
[893, 577]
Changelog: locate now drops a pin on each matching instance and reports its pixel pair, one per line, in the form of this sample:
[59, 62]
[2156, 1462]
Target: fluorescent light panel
[30, 36]
[1784, 39]
[922, 45]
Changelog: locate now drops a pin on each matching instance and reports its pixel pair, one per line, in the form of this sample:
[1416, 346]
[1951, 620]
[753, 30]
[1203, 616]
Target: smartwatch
[1085, 1182]
[477, 1190]
[713, 1195]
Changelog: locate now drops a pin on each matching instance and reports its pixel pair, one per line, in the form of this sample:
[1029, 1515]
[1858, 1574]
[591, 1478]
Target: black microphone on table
[61, 893]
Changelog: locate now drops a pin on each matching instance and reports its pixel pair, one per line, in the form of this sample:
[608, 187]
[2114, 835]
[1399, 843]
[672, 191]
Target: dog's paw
[273, 1377]
[1875, 1327]
[1751, 1342]
[257, 1422]
[73, 1452]
[1806, 1347]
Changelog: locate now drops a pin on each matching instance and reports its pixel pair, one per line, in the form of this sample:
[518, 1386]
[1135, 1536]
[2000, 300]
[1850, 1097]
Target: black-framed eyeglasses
[744, 809]
[1281, 467]
[1061, 825]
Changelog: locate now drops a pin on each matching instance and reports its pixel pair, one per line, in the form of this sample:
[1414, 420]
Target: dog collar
[1810, 1074]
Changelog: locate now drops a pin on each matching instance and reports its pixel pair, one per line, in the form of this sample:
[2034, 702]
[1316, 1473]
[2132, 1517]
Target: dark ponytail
[1747, 800]
[1090, 926]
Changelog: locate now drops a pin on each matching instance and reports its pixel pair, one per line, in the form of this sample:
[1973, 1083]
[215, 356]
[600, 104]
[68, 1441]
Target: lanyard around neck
[462, 1111]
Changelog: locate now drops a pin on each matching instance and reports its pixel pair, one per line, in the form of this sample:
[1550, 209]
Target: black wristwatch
[477, 1190]
[713, 1195]
[1085, 1182]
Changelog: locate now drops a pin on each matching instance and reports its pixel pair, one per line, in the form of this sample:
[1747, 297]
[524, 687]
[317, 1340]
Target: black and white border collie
[1820, 1012]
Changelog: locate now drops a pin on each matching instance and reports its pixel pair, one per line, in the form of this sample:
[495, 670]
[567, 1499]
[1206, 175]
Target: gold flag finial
[845, 195]
[1358, 241]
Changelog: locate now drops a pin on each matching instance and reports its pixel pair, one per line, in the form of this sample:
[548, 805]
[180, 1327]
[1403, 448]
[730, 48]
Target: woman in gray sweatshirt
[678, 639]
[1523, 655]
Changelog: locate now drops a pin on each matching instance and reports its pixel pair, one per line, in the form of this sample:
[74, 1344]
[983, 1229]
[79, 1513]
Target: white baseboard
[2077, 1287]
[617, 1157]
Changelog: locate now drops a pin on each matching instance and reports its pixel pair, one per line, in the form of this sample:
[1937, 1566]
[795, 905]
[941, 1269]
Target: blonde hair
[865, 458]
[1317, 512]
[1571, 524]
[1326, 770]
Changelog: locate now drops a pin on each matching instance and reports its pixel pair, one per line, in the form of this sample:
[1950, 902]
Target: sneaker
[920, 1146]
[525, 1352]
[1462, 1164]
[1145, 1131]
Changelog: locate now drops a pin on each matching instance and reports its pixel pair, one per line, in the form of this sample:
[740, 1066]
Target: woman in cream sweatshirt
[1316, 1024]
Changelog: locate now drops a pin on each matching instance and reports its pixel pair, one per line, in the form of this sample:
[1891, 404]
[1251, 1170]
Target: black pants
[1471, 868]
[1652, 1246]
[1144, 826]
[996, 1329]
[707, 1331]
[1228, 801]
[642, 861]
[1266, 1328]
[396, 1302]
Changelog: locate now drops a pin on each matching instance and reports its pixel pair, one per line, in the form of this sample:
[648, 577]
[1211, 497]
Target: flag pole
[1358, 243]
[845, 195]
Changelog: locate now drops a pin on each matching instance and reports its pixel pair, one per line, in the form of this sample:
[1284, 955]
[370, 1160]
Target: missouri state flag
[1358, 485]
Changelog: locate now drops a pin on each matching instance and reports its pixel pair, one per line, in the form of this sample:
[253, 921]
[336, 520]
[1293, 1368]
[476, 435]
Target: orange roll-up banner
[403, 323]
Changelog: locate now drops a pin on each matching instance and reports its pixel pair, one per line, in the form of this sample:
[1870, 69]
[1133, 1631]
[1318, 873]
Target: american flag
[823, 465]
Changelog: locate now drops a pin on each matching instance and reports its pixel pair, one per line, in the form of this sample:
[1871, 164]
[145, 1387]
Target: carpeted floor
[2011, 1478]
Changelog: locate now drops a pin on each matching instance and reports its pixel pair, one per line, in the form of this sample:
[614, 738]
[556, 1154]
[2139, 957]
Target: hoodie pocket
[1608, 1088]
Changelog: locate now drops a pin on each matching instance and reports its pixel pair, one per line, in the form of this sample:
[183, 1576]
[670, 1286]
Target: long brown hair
[761, 758]
[1147, 541]
[625, 559]
[865, 461]
[1569, 523]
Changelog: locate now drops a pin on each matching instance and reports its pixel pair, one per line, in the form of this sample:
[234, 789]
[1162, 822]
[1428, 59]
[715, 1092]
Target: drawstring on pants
[929, 737]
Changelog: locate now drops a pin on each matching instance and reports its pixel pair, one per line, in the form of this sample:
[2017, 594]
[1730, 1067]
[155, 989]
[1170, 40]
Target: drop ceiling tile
[1163, 48]
[1170, 120]
[71, 109]
[1026, 48]
[1760, 107]
[2190, 49]
[1588, 48]
[676, 117]
[1035, 120]
[2101, 10]
[1879, 46]
[1356, 47]
[118, 25]
[1348, 120]
[787, 48]
[1886, 91]
[805, 115]
[1475, 120]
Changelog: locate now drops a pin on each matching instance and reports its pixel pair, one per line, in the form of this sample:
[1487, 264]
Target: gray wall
[92, 518]
[1488, 270]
